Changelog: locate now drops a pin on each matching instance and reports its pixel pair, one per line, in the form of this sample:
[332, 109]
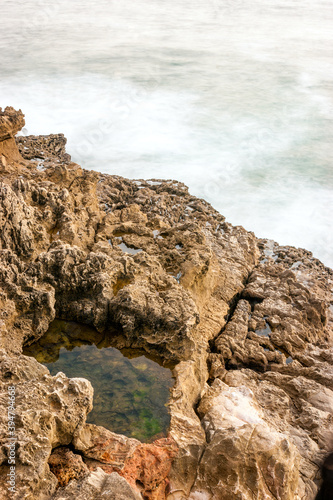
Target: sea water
[232, 97]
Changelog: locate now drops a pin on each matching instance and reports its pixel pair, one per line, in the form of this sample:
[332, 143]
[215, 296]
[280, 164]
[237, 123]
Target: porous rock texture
[246, 323]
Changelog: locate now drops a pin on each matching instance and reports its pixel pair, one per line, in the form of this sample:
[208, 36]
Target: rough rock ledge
[247, 324]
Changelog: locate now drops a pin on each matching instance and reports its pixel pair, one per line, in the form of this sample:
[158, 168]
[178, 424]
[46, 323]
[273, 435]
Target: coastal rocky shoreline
[246, 323]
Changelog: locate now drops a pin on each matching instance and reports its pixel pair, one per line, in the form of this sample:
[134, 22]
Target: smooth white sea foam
[231, 97]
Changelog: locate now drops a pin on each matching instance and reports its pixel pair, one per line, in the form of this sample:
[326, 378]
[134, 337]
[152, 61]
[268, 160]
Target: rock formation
[246, 323]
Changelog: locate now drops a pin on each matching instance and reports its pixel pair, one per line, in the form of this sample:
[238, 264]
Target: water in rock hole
[131, 391]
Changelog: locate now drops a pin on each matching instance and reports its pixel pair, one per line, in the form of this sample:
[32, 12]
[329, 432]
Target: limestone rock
[44, 147]
[96, 486]
[247, 456]
[145, 466]
[48, 410]
[104, 446]
[247, 325]
[66, 466]
[11, 122]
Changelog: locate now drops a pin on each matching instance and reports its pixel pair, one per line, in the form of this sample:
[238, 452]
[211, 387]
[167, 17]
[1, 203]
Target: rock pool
[131, 391]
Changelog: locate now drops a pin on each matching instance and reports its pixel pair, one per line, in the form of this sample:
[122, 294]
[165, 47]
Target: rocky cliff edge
[246, 323]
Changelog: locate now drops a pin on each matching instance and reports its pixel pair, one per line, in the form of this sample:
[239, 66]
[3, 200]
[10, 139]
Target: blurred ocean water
[234, 98]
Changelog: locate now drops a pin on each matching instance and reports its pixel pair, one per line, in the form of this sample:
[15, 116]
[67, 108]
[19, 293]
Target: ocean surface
[232, 97]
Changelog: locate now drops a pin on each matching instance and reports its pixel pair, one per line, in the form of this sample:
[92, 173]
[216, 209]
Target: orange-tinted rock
[102, 445]
[66, 466]
[149, 466]
[145, 466]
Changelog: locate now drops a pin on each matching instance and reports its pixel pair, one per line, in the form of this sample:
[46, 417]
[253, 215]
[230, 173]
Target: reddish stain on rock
[149, 466]
[146, 467]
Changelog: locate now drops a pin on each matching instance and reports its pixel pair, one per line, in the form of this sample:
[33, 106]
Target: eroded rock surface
[11, 122]
[247, 324]
[98, 485]
[66, 466]
[48, 412]
[43, 148]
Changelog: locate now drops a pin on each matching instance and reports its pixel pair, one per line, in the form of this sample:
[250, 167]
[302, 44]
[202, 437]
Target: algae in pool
[130, 395]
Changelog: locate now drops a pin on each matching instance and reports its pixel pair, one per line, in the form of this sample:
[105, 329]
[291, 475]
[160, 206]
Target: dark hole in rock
[139, 484]
[253, 301]
[131, 390]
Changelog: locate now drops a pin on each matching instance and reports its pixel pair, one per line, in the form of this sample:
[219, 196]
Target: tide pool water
[234, 98]
[131, 391]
